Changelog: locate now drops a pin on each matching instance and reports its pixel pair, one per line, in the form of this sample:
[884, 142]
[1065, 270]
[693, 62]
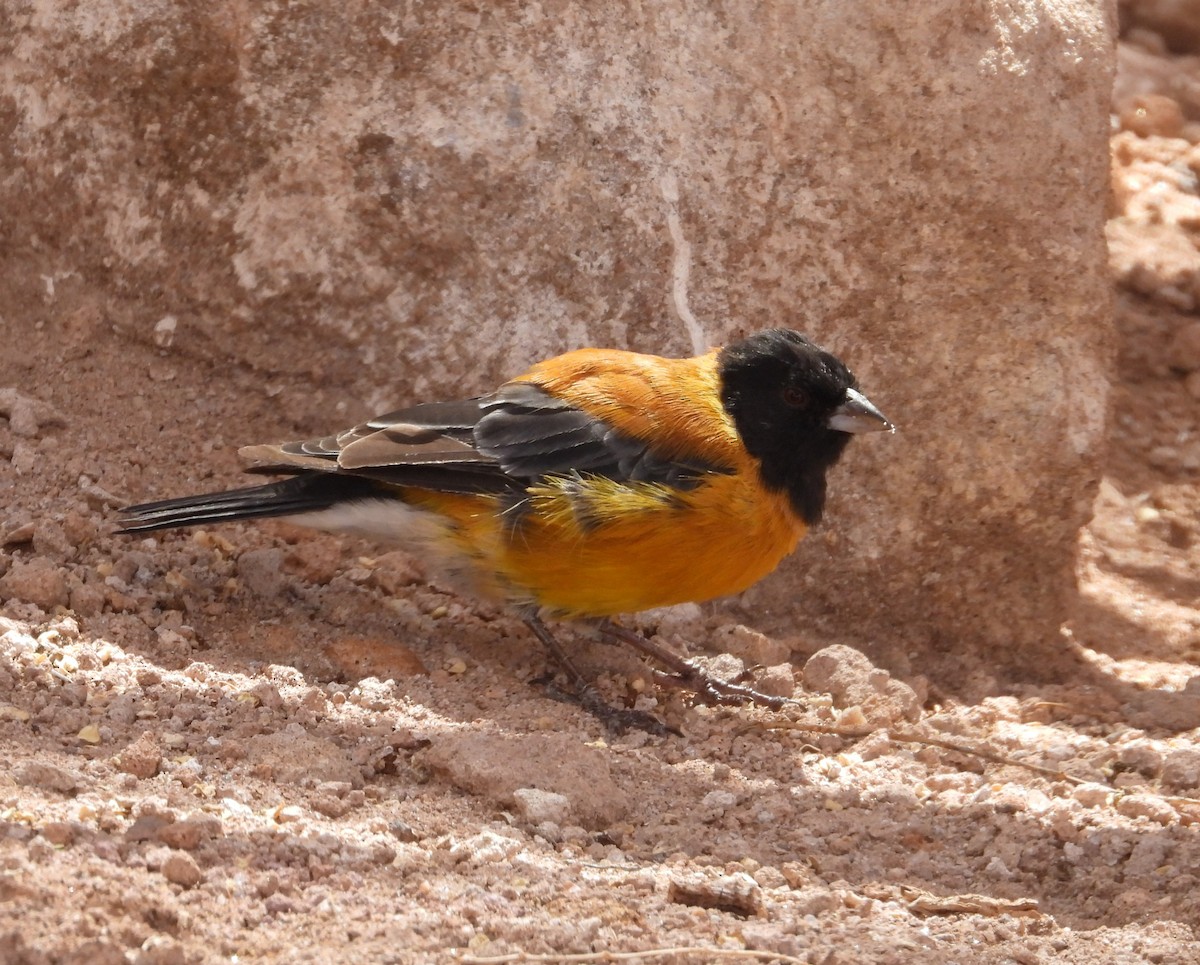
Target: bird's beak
[857, 414]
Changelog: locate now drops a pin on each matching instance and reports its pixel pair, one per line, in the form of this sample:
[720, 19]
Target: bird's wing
[640, 431]
[532, 433]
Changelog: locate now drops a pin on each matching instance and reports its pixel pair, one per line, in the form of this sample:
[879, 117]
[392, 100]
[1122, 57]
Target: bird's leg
[585, 693]
[707, 687]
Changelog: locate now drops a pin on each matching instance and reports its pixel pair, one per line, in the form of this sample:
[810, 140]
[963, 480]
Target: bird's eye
[796, 398]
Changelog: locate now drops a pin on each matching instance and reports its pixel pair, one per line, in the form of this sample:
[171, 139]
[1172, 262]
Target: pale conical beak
[857, 414]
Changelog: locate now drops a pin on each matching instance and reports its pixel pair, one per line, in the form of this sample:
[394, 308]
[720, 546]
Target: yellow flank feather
[592, 547]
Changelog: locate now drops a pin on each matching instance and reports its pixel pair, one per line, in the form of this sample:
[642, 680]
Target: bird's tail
[305, 493]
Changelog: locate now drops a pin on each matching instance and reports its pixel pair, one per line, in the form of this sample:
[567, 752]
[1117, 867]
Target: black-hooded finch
[599, 482]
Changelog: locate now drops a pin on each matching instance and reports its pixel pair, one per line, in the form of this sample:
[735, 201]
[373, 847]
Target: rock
[37, 581]
[382, 657]
[1153, 115]
[189, 833]
[46, 776]
[1147, 806]
[852, 681]
[756, 649]
[495, 767]
[180, 868]
[261, 571]
[658, 181]
[777, 681]
[1181, 770]
[292, 755]
[537, 806]
[1183, 353]
[142, 758]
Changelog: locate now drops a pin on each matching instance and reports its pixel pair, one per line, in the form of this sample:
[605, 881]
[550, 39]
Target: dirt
[258, 744]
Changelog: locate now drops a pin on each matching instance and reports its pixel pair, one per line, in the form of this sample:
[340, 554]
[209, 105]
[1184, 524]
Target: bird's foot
[688, 675]
[617, 720]
[713, 690]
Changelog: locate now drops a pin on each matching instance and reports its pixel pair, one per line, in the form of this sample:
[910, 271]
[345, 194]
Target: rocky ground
[261, 745]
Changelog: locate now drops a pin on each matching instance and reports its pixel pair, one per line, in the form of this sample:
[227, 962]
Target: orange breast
[600, 548]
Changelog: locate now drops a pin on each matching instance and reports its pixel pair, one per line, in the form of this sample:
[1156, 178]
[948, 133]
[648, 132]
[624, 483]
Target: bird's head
[795, 407]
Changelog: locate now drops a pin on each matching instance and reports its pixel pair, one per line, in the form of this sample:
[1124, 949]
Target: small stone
[1181, 769]
[142, 758]
[164, 331]
[189, 833]
[89, 734]
[537, 806]
[1152, 115]
[261, 571]
[313, 558]
[46, 776]
[1183, 354]
[180, 868]
[1092, 795]
[737, 893]
[58, 832]
[394, 571]
[756, 649]
[776, 681]
[38, 582]
[87, 600]
[714, 804]
[851, 679]
[1147, 806]
[1142, 756]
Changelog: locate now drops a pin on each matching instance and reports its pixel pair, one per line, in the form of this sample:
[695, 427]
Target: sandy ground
[261, 745]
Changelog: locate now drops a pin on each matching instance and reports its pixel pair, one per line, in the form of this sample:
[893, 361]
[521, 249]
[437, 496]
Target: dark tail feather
[300, 494]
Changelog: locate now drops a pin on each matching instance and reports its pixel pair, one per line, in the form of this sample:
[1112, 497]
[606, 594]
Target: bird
[600, 482]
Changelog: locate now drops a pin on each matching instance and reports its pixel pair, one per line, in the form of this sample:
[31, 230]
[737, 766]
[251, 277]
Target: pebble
[261, 571]
[487, 847]
[37, 581]
[189, 833]
[1092, 795]
[776, 681]
[180, 868]
[756, 649]
[1147, 806]
[714, 804]
[142, 758]
[1183, 353]
[850, 679]
[494, 766]
[1152, 115]
[1181, 769]
[58, 832]
[540, 807]
[46, 776]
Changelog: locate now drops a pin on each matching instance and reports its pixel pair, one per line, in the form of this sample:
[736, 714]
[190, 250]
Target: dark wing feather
[498, 443]
[532, 433]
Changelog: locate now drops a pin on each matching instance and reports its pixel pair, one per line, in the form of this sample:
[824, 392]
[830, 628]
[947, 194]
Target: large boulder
[382, 203]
